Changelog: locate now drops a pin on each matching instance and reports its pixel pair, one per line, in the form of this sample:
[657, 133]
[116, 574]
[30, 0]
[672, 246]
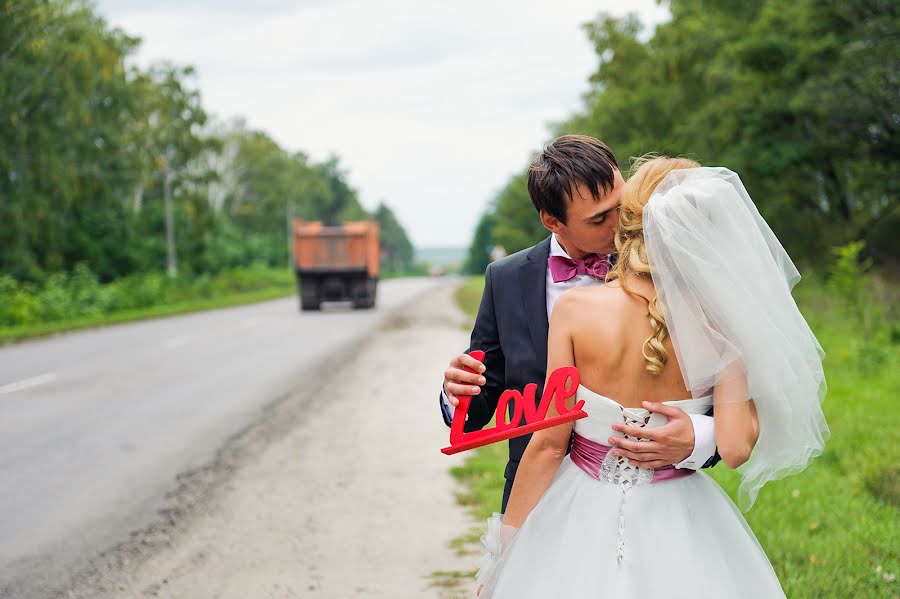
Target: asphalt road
[95, 425]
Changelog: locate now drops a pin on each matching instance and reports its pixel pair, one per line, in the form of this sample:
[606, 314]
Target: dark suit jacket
[511, 328]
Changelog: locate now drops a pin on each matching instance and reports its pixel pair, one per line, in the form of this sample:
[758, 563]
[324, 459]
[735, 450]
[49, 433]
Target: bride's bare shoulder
[573, 302]
[594, 293]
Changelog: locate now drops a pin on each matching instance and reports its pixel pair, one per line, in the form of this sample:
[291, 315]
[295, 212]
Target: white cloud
[431, 106]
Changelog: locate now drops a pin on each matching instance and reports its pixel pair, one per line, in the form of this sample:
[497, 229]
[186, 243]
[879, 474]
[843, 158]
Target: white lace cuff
[497, 537]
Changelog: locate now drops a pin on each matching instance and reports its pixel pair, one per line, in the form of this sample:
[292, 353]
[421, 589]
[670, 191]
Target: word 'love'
[562, 384]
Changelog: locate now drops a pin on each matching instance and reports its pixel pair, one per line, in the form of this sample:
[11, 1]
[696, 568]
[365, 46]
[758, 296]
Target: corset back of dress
[603, 412]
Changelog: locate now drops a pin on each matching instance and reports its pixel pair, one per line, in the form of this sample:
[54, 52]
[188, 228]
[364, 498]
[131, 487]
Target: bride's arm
[547, 447]
[737, 426]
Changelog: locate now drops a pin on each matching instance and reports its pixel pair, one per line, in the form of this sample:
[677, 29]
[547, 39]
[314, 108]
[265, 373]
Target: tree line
[101, 161]
[800, 97]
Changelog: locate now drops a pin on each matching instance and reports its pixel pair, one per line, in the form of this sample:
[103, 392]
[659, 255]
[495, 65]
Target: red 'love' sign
[563, 383]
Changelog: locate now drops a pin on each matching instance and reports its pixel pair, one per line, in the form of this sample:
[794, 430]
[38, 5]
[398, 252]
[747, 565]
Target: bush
[63, 297]
[17, 304]
[54, 302]
[849, 280]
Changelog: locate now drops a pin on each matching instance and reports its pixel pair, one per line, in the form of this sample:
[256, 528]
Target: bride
[697, 311]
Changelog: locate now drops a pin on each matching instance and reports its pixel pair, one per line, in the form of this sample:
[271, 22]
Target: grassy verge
[279, 283]
[31, 331]
[468, 295]
[832, 530]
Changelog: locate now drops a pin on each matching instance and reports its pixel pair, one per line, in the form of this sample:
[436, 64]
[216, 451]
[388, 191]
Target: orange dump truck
[337, 263]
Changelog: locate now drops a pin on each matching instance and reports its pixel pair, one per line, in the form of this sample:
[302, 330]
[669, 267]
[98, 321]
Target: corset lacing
[598, 461]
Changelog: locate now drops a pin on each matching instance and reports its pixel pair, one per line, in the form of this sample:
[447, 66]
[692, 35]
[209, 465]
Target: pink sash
[589, 455]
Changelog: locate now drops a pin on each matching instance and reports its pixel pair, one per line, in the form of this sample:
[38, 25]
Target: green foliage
[65, 104]
[479, 254]
[516, 222]
[830, 531]
[798, 97]
[89, 146]
[397, 253]
[849, 280]
[79, 295]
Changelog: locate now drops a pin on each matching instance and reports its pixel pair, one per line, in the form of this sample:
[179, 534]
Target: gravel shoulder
[340, 491]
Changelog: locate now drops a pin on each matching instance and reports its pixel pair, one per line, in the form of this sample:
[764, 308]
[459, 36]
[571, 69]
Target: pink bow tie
[563, 269]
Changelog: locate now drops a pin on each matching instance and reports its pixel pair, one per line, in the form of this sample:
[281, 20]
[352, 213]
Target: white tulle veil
[724, 284]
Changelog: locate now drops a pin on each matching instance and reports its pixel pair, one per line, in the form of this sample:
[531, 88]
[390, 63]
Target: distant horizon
[441, 256]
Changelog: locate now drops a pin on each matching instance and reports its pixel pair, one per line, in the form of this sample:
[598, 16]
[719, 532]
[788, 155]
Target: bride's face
[590, 225]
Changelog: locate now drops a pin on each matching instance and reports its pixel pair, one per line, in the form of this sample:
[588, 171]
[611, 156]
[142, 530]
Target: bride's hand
[666, 445]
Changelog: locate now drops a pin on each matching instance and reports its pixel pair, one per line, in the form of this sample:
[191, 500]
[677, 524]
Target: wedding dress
[620, 532]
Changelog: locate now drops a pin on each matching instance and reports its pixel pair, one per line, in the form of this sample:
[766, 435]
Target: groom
[575, 186]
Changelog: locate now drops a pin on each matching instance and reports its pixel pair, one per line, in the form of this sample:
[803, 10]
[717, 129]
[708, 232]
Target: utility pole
[171, 257]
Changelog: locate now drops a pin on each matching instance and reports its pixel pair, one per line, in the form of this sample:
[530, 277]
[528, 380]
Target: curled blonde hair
[648, 171]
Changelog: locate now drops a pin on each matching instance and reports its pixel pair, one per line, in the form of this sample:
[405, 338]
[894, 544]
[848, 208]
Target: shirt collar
[556, 249]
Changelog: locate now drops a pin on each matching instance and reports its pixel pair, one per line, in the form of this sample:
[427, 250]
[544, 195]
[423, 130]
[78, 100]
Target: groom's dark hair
[567, 161]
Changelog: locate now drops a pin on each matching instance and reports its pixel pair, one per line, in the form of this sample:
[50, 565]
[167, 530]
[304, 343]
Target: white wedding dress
[620, 536]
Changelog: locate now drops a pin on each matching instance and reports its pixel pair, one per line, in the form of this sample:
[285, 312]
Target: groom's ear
[552, 223]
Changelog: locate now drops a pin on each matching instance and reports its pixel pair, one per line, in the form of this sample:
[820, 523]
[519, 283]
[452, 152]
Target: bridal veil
[724, 284]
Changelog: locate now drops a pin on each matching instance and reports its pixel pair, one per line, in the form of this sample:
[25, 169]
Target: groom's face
[590, 225]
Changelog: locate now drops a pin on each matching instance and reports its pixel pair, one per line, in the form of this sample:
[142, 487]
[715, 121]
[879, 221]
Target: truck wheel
[309, 296]
[368, 297]
[361, 303]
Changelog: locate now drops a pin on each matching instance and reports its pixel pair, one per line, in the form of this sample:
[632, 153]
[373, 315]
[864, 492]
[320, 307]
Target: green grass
[9, 334]
[451, 584]
[468, 295]
[832, 530]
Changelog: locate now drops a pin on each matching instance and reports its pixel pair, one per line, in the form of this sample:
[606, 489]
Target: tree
[397, 253]
[798, 97]
[479, 254]
[62, 115]
[517, 225]
[118, 167]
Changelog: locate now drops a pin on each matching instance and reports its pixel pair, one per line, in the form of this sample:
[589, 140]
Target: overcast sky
[431, 106]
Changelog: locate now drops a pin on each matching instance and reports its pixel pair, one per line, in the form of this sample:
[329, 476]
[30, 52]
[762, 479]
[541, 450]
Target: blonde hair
[648, 172]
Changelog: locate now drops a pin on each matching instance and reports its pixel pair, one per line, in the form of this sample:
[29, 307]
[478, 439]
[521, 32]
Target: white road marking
[179, 341]
[41, 379]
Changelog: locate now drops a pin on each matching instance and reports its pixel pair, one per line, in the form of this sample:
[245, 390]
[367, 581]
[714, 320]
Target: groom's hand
[666, 445]
[458, 381]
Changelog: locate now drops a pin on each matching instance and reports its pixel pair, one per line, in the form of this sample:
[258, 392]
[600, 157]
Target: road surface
[95, 426]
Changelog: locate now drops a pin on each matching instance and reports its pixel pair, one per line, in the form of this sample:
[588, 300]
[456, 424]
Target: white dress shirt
[704, 429]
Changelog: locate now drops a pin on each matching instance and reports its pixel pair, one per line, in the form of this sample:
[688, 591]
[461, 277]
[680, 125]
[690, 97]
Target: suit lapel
[533, 282]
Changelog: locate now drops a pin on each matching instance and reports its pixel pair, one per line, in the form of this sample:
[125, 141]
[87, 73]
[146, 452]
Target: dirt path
[342, 493]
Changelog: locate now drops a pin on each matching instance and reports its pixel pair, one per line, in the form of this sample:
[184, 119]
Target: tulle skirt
[674, 539]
